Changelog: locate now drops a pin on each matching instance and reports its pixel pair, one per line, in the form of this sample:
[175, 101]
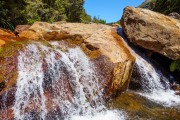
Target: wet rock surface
[140, 108]
[112, 60]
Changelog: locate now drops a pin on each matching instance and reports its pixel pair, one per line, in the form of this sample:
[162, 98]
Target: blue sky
[109, 10]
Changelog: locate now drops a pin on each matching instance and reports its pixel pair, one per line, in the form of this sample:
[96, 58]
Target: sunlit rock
[62, 68]
[21, 28]
[152, 31]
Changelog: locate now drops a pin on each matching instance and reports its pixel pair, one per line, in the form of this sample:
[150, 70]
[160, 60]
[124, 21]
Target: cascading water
[4, 106]
[153, 88]
[69, 77]
[29, 93]
[155, 84]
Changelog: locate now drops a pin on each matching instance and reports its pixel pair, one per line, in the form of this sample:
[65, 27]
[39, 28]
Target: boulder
[152, 31]
[21, 28]
[7, 36]
[3, 36]
[59, 30]
[105, 49]
[174, 15]
[95, 37]
[4, 32]
[98, 36]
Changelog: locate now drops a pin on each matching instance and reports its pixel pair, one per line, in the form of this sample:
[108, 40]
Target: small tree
[98, 20]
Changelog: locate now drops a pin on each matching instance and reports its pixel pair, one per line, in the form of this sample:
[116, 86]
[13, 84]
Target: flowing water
[63, 84]
[29, 93]
[155, 85]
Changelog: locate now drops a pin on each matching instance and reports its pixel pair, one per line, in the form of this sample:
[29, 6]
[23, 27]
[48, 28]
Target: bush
[175, 65]
[98, 20]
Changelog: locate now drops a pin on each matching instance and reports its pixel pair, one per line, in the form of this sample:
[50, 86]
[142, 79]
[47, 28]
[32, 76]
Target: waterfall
[155, 84]
[29, 93]
[4, 106]
[59, 84]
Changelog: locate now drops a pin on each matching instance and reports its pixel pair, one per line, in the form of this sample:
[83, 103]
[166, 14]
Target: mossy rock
[8, 63]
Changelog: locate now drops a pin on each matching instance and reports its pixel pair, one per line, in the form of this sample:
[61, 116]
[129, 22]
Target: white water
[29, 93]
[71, 68]
[153, 88]
[106, 115]
[151, 79]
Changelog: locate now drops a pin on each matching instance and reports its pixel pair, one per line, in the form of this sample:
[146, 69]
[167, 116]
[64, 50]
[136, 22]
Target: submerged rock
[140, 108]
[152, 31]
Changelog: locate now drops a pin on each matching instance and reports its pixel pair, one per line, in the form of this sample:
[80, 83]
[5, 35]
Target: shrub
[175, 65]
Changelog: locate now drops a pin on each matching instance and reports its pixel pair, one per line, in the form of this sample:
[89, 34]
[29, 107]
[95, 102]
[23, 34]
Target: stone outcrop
[104, 47]
[4, 36]
[174, 15]
[21, 28]
[152, 31]
[97, 36]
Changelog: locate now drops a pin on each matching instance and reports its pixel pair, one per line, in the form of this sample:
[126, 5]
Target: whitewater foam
[106, 115]
[152, 87]
[38, 63]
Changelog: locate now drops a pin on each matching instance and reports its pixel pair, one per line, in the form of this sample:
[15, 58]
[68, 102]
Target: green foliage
[162, 6]
[98, 20]
[3, 11]
[11, 13]
[14, 12]
[102, 21]
[45, 10]
[56, 10]
[7, 25]
[85, 18]
[167, 6]
[74, 11]
[175, 65]
[148, 4]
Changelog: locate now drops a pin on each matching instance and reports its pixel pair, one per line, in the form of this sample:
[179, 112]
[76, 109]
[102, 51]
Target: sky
[109, 10]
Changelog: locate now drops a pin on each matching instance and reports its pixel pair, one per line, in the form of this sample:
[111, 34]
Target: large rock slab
[105, 49]
[152, 31]
[95, 37]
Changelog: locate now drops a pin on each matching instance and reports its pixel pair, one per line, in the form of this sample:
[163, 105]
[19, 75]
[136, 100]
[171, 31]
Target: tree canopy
[14, 12]
[162, 6]
[167, 6]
